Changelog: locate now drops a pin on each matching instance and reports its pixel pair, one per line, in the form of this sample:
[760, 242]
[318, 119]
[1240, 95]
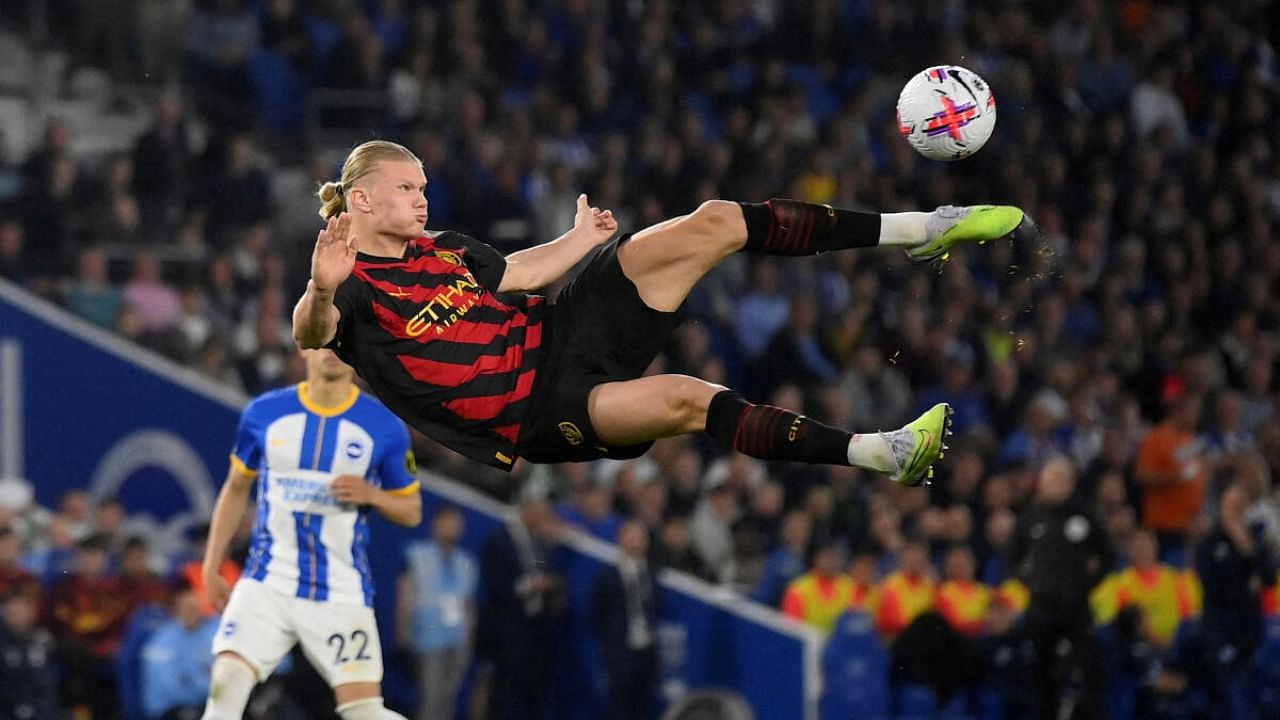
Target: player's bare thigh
[666, 260]
[631, 412]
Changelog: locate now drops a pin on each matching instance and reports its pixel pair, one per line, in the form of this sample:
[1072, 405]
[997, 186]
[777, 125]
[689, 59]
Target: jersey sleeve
[486, 263]
[246, 454]
[398, 469]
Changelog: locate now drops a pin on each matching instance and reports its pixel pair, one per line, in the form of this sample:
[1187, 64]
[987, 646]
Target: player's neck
[327, 393]
[388, 246]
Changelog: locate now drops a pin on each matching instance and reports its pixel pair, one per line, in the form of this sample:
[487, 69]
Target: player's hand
[599, 225]
[352, 489]
[216, 589]
[335, 254]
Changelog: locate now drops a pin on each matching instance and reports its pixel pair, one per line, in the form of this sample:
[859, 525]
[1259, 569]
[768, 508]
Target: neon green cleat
[949, 226]
[919, 445]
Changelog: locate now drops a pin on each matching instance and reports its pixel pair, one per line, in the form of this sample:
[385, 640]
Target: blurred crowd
[1138, 339]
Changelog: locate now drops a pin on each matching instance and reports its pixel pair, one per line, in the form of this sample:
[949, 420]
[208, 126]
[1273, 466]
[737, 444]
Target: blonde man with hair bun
[447, 332]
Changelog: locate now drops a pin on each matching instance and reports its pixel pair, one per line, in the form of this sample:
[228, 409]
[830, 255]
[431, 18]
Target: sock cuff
[723, 415]
[793, 227]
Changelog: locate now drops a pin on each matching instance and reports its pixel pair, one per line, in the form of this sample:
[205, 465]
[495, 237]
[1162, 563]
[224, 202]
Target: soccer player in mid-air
[323, 454]
[441, 327]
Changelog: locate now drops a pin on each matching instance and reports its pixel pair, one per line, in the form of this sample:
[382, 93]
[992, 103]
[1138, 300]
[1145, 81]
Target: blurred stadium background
[158, 161]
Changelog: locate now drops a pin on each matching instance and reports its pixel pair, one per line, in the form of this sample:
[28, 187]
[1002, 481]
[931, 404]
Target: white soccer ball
[946, 112]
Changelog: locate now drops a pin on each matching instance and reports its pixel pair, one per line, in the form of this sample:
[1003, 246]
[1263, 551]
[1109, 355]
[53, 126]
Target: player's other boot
[920, 444]
[949, 226]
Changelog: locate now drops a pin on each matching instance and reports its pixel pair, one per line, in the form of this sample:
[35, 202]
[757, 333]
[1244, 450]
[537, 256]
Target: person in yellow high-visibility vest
[822, 595]
[962, 600]
[906, 593]
[1166, 595]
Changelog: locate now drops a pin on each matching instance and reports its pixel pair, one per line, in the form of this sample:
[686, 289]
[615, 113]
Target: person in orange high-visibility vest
[821, 595]
[864, 572]
[907, 592]
[1271, 600]
[1166, 595]
[963, 601]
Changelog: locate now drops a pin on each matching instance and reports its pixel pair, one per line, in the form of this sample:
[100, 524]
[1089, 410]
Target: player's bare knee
[688, 400]
[721, 222]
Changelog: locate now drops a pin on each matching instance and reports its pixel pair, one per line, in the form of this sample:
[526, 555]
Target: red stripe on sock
[742, 422]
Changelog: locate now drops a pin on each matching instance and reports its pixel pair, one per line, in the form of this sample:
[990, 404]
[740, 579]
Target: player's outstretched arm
[233, 498]
[401, 508]
[315, 319]
[538, 267]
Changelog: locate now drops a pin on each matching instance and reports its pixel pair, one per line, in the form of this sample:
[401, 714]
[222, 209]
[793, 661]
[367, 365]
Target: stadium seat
[856, 670]
[915, 702]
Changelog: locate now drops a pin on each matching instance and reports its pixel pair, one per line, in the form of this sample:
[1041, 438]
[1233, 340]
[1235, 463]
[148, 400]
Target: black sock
[772, 433]
[792, 227]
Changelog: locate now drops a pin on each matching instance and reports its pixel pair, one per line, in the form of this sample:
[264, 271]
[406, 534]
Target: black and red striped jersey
[437, 345]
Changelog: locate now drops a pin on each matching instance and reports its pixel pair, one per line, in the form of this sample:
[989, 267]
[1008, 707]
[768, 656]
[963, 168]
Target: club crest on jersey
[571, 433]
[445, 307]
[449, 257]
[355, 450]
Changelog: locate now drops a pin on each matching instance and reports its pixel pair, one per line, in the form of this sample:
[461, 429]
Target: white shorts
[262, 625]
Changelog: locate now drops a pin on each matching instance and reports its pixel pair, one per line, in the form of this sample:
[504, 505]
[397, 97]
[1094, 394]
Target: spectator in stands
[176, 660]
[55, 217]
[92, 295]
[14, 256]
[189, 568]
[962, 600]
[624, 617]
[154, 300]
[865, 573]
[822, 595]
[675, 549]
[237, 180]
[521, 598]
[109, 518]
[1166, 597]
[712, 523]
[30, 687]
[139, 585]
[591, 508]
[54, 554]
[787, 561]
[436, 610]
[907, 592]
[221, 36]
[87, 613]
[162, 160]
[14, 577]
[1233, 564]
[1173, 470]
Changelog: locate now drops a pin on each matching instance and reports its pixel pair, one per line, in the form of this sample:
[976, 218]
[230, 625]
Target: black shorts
[600, 331]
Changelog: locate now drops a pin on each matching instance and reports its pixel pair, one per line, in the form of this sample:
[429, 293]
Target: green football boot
[949, 226]
[919, 445]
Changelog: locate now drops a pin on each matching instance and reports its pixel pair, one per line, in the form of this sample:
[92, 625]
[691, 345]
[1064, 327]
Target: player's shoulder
[274, 402]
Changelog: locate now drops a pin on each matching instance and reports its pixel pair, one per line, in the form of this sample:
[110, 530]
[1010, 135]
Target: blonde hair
[360, 162]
